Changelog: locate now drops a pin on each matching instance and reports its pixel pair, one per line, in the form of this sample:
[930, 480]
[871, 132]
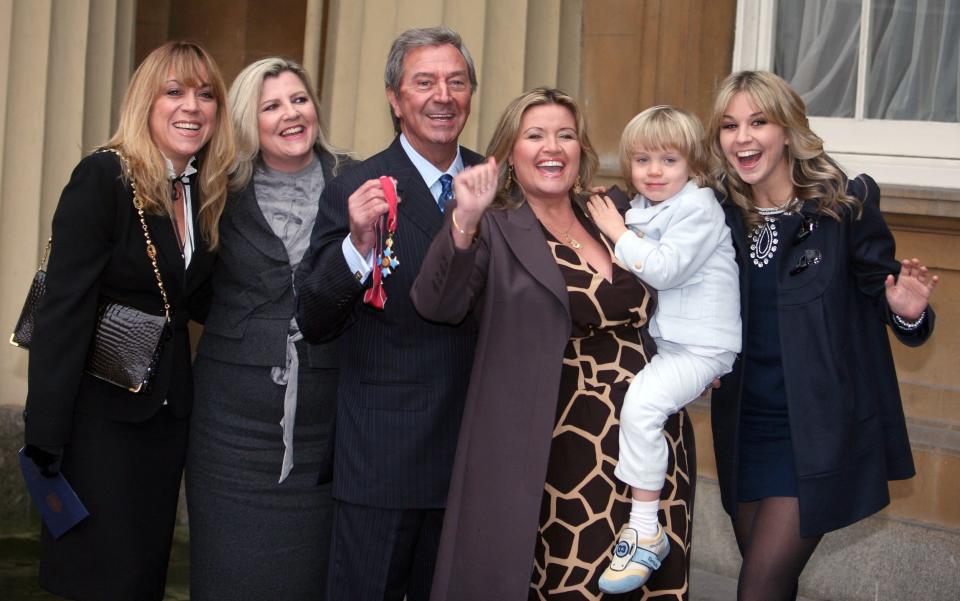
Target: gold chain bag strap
[23, 332]
[127, 342]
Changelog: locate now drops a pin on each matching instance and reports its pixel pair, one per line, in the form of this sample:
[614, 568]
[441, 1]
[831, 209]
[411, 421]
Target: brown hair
[508, 129]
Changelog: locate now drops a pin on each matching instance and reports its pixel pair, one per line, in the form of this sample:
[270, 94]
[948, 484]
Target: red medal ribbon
[386, 260]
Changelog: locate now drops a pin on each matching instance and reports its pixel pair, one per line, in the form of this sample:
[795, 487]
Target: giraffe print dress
[584, 505]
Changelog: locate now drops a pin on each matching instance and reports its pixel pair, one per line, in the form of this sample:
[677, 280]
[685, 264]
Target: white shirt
[188, 239]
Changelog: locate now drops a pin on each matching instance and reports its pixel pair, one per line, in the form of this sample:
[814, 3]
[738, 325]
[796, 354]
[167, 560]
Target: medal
[386, 257]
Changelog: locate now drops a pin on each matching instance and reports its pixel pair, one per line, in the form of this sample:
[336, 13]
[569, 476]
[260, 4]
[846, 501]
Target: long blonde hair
[243, 100]
[508, 129]
[815, 176]
[190, 62]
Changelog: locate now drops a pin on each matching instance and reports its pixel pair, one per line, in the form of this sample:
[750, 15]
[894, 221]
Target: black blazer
[99, 253]
[403, 380]
[846, 419]
[253, 288]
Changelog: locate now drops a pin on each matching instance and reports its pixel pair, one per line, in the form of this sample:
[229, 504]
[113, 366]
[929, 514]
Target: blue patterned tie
[446, 190]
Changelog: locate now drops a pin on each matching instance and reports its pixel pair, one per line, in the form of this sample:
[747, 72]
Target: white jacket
[682, 247]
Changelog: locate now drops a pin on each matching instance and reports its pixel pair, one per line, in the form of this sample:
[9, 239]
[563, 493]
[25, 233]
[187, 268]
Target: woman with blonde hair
[123, 452]
[562, 331]
[808, 427]
[261, 439]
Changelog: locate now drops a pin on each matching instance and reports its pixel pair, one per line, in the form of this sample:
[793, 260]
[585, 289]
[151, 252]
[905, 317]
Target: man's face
[434, 98]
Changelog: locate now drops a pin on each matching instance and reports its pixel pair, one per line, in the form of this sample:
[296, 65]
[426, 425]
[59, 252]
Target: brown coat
[512, 284]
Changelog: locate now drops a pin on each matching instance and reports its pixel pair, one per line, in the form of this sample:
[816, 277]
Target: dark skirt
[250, 536]
[128, 477]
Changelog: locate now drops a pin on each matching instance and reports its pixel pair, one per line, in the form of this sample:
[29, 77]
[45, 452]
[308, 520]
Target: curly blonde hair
[814, 174]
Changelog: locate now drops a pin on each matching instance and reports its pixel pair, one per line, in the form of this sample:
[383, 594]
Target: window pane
[816, 51]
[914, 54]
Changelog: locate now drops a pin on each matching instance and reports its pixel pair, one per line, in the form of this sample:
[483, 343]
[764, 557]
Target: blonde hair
[815, 176]
[190, 63]
[244, 100]
[508, 129]
[665, 128]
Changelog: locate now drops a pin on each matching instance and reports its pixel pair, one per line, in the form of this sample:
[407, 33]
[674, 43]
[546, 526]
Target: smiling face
[754, 147]
[433, 101]
[182, 118]
[658, 174]
[546, 153]
[287, 123]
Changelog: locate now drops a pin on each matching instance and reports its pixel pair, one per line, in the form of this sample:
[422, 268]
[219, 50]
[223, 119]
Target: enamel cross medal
[386, 257]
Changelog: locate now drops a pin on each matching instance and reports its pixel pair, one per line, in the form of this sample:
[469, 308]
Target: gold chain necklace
[564, 236]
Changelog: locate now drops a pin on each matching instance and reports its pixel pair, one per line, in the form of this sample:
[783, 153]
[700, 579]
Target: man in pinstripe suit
[402, 379]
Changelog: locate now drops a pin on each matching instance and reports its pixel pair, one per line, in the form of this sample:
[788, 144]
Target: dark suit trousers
[385, 554]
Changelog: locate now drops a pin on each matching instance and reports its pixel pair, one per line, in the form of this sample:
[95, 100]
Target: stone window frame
[899, 153]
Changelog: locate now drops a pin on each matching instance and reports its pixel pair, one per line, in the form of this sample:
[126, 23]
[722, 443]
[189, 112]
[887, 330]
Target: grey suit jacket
[254, 289]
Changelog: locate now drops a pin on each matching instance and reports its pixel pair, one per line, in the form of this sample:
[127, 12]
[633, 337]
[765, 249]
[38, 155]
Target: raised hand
[909, 293]
[605, 214]
[364, 207]
[474, 188]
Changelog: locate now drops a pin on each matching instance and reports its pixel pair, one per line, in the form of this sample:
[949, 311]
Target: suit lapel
[168, 249]
[522, 232]
[417, 206]
[260, 234]
[202, 258]
[417, 203]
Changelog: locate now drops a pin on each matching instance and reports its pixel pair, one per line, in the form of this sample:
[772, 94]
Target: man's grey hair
[416, 38]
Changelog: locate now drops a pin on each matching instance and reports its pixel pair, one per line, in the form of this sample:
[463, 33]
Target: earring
[509, 181]
[577, 188]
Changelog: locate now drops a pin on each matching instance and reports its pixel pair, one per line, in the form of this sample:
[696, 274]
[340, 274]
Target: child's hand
[606, 216]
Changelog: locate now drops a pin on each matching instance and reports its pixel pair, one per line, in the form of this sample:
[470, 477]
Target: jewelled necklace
[764, 238]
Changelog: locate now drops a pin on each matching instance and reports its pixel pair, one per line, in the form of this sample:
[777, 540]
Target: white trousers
[673, 378]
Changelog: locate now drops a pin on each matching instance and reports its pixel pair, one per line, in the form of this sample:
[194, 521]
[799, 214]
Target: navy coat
[846, 419]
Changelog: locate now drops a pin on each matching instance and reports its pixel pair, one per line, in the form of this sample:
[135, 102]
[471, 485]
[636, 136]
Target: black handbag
[23, 332]
[127, 342]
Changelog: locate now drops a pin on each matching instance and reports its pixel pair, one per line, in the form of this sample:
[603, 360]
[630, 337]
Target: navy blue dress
[767, 467]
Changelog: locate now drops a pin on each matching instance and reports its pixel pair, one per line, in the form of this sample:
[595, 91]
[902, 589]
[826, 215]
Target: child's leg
[672, 379]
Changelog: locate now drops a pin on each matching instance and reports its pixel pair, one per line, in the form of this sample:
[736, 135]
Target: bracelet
[908, 326]
[453, 217]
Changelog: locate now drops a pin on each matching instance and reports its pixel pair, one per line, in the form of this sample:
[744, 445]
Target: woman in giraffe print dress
[534, 505]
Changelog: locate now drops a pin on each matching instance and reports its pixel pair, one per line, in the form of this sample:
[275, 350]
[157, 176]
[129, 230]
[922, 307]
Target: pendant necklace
[565, 236]
[764, 238]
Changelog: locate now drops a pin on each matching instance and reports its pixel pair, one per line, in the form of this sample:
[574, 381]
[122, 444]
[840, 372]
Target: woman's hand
[474, 188]
[605, 214]
[909, 294]
[46, 459]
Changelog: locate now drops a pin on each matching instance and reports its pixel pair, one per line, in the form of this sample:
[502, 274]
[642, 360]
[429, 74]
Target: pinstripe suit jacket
[402, 379]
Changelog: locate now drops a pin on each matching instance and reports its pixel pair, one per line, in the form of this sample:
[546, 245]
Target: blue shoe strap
[647, 558]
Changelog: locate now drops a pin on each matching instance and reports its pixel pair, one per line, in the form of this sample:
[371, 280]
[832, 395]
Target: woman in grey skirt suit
[259, 460]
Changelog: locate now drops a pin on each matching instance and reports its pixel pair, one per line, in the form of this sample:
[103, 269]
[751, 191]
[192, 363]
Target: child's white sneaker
[634, 560]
